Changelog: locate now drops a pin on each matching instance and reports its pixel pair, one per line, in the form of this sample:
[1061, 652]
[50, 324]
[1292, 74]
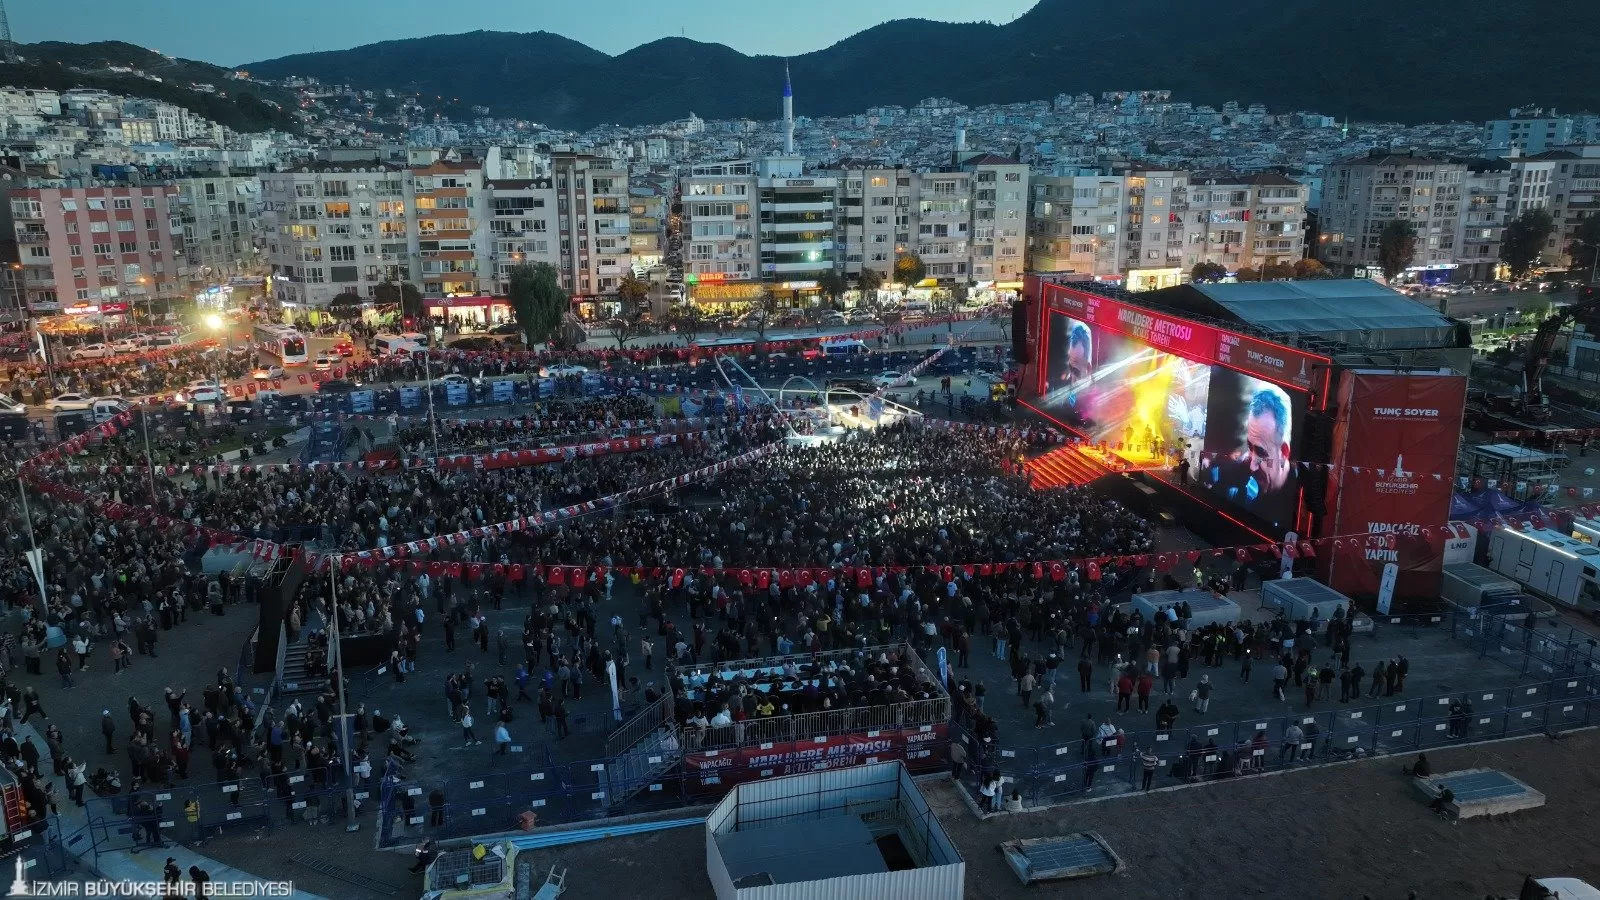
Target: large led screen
[1237, 433]
[1250, 447]
[1115, 389]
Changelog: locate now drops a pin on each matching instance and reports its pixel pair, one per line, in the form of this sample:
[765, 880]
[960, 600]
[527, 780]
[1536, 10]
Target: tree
[870, 280]
[1207, 271]
[1277, 272]
[1585, 245]
[537, 302]
[1247, 274]
[346, 305]
[1397, 245]
[687, 319]
[1310, 268]
[833, 286]
[625, 328]
[909, 270]
[403, 294]
[634, 295]
[1524, 239]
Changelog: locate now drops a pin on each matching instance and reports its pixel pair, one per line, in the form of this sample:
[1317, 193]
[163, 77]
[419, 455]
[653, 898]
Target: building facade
[222, 230]
[594, 238]
[333, 227]
[1360, 196]
[522, 227]
[447, 202]
[97, 249]
[1529, 131]
[1076, 224]
[1574, 194]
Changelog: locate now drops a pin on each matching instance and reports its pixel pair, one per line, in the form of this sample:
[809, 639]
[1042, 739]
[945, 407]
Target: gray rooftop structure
[1357, 313]
[856, 833]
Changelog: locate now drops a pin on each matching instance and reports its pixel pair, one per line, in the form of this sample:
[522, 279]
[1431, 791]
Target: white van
[385, 345]
[912, 310]
[843, 348]
[105, 409]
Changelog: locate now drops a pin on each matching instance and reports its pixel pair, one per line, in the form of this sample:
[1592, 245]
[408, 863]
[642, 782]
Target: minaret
[788, 113]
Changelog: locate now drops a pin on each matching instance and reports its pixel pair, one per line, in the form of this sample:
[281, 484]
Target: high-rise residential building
[336, 227]
[1154, 248]
[1483, 218]
[647, 224]
[1574, 193]
[522, 227]
[97, 249]
[721, 253]
[593, 236]
[796, 226]
[1528, 130]
[1076, 224]
[222, 232]
[1277, 224]
[999, 219]
[447, 204]
[1360, 196]
[967, 222]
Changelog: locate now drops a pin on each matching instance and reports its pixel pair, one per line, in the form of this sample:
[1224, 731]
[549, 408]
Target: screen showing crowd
[1233, 435]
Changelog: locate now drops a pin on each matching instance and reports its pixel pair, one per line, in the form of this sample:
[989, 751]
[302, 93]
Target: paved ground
[1336, 833]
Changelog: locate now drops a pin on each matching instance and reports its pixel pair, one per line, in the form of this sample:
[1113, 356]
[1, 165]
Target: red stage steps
[1062, 467]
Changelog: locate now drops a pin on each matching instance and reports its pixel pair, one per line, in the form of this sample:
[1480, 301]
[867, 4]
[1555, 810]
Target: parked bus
[399, 344]
[283, 342]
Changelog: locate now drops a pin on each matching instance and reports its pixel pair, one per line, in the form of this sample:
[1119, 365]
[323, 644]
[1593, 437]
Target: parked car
[200, 392]
[10, 407]
[69, 400]
[452, 378]
[344, 349]
[92, 351]
[835, 319]
[267, 373]
[564, 370]
[130, 345]
[887, 379]
[325, 361]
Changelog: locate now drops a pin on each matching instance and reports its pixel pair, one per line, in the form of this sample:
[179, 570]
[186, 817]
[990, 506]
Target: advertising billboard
[1394, 464]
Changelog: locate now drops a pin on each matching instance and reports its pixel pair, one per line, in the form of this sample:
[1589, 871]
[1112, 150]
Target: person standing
[1143, 688]
[1149, 762]
[1246, 663]
[502, 739]
[1124, 692]
[561, 718]
[958, 759]
[1025, 686]
[1085, 674]
[1202, 694]
[466, 727]
[1379, 675]
[108, 728]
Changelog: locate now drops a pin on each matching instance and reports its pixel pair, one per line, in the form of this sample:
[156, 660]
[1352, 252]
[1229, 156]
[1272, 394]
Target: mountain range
[1423, 60]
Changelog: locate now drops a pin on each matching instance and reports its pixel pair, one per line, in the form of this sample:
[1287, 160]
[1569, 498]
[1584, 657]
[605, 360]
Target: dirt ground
[1328, 833]
[1340, 833]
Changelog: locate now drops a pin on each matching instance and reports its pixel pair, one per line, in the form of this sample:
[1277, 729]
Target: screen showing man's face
[1269, 454]
[1078, 366]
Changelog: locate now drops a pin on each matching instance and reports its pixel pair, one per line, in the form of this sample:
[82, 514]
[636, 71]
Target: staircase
[297, 678]
[634, 769]
[1063, 467]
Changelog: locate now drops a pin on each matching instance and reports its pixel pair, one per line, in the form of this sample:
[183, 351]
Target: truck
[1549, 564]
[1466, 584]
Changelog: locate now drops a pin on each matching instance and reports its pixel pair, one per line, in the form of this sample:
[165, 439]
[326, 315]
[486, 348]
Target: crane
[1586, 309]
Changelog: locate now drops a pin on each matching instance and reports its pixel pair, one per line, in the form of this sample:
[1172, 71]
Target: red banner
[919, 746]
[1395, 449]
[1202, 343]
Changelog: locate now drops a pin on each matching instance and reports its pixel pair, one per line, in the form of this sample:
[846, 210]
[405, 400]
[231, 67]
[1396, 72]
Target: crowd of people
[132, 375]
[541, 422]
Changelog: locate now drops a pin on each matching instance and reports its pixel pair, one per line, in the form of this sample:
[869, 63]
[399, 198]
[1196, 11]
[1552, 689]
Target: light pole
[346, 731]
[35, 555]
[149, 310]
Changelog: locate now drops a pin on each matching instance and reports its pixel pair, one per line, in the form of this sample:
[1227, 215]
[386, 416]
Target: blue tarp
[1488, 503]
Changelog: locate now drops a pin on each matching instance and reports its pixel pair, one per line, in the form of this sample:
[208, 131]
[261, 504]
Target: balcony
[826, 206]
[32, 237]
[795, 227]
[770, 247]
[787, 268]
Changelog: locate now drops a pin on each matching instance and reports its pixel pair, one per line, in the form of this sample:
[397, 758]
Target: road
[1466, 306]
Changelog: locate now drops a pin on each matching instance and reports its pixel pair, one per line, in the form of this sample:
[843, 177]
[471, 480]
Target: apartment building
[752, 226]
[1530, 131]
[796, 225]
[1574, 193]
[1075, 224]
[647, 224]
[522, 227]
[98, 248]
[1362, 195]
[967, 222]
[335, 227]
[594, 238]
[446, 202]
[999, 218]
[221, 218]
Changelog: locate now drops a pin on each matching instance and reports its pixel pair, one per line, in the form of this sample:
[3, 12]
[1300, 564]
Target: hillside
[237, 105]
[1368, 59]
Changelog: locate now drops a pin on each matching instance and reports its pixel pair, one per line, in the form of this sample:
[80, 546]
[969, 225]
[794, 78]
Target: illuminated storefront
[476, 310]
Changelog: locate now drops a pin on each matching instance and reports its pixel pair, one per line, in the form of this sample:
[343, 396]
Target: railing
[635, 729]
[1061, 772]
